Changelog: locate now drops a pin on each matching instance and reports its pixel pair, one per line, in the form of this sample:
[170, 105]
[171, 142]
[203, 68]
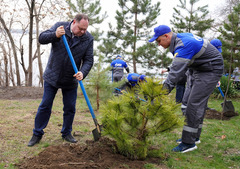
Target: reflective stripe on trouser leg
[183, 108]
[203, 84]
[193, 131]
[190, 129]
[199, 131]
[189, 134]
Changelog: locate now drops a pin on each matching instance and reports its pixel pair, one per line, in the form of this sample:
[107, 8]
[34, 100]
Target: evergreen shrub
[132, 118]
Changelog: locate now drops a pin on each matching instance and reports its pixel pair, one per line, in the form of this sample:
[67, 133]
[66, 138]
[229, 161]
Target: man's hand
[78, 76]
[218, 84]
[60, 31]
[164, 71]
[167, 88]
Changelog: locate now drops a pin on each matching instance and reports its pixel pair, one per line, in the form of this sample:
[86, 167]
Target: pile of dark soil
[99, 155]
[214, 114]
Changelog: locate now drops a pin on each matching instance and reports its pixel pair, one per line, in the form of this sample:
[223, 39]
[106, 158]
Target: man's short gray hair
[79, 17]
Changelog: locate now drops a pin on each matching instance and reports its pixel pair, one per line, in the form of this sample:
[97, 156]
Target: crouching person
[133, 80]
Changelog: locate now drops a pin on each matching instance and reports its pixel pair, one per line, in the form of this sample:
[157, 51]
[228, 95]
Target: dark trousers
[200, 85]
[45, 109]
[117, 78]
[180, 89]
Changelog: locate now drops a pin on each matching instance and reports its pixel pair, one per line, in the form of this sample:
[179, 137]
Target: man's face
[164, 41]
[79, 28]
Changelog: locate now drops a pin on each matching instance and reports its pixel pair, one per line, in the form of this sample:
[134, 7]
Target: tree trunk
[38, 49]
[13, 49]
[23, 65]
[134, 45]
[30, 71]
[98, 98]
[11, 74]
[5, 65]
[1, 77]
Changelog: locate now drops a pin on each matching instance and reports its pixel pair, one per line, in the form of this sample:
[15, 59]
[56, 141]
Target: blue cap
[218, 44]
[159, 31]
[142, 77]
[118, 56]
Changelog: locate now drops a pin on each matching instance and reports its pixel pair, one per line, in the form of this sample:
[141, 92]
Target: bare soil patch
[16, 93]
[214, 114]
[100, 155]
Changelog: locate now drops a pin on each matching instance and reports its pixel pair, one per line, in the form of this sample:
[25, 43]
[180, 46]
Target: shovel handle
[80, 82]
[220, 90]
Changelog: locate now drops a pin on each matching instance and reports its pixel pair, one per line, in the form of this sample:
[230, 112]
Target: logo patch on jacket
[175, 54]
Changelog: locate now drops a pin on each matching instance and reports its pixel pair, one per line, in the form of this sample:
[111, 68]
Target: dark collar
[172, 44]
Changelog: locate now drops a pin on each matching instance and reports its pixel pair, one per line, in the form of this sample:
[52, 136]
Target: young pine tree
[190, 18]
[132, 118]
[99, 82]
[230, 37]
[130, 36]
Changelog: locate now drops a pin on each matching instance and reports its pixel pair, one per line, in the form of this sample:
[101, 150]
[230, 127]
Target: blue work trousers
[45, 109]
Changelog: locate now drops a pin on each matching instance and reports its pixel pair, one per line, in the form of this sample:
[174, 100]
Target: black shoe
[69, 138]
[34, 140]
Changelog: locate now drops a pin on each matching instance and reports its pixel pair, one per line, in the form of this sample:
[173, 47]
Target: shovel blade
[97, 132]
[228, 106]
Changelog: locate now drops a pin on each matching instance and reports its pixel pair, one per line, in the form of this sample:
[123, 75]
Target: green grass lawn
[219, 147]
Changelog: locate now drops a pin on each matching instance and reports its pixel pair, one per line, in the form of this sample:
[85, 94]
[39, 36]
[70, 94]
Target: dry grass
[219, 148]
[17, 122]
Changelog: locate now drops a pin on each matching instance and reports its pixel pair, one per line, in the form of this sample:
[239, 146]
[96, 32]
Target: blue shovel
[97, 131]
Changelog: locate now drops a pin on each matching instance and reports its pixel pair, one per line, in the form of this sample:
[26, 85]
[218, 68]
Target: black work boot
[69, 138]
[34, 140]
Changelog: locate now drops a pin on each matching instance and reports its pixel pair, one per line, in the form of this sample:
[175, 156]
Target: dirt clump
[100, 155]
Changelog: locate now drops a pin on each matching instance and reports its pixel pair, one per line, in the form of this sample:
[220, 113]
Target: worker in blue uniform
[118, 66]
[133, 79]
[218, 44]
[193, 53]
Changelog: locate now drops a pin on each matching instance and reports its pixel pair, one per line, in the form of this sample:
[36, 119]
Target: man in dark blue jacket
[206, 64]
[59, 73]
